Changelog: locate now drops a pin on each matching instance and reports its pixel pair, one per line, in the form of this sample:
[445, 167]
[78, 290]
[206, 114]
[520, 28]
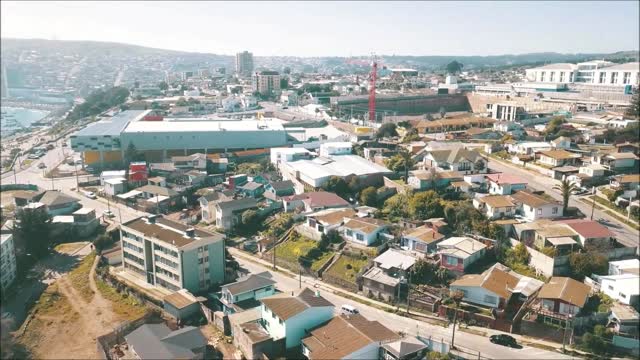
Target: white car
[90, 194]
[108, 213]
[349, 310]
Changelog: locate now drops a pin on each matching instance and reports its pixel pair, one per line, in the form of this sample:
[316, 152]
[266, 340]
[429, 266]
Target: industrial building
[172, 255]
[400, 104]
[159, 139]
[592, 72]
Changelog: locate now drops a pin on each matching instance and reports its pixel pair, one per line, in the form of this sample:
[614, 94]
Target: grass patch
[69, 248]
[317, 263]
[291, 249]
[122, 304]
[79, 277]
[347, 267]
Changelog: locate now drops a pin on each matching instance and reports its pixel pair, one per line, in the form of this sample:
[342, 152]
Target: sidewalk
[433, 320]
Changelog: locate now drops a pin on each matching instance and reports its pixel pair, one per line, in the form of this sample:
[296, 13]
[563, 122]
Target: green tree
[566, 187]
[554, 126]
[163, 85]
[517, 255]
[587, 263]
[386, 130]
[479, 165]
[102, 242]
[369, 196]
[355, 185]
[454, 67]
[33, 229]
[396, 207]
[337, 185]
[425, 205]
[250, 218]
[284, 83]
[401, 162]
[634, 110]
[250, 168]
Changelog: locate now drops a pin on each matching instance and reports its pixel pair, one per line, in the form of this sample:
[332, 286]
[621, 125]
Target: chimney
[151, 219]
[190, 232]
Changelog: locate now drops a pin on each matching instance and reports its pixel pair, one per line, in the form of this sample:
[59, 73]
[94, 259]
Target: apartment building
[8, 261]
[591, 72]
[172, 255]
[266, 82]
[244, 63]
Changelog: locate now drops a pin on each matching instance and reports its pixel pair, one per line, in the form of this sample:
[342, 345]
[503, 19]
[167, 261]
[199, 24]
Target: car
[108, 213]
[88, 169]
[504, 340]
[349, 310]
[89, 194]
[42, 166]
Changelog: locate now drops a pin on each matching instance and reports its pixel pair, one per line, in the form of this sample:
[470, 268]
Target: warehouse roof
[342, 165]
[112, 126]
[267, 124]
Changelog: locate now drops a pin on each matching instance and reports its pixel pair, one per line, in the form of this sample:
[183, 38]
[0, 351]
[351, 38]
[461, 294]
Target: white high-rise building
[244, 63]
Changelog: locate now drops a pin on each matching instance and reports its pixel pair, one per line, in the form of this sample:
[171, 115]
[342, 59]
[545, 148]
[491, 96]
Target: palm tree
[408, 163]
[566, 187]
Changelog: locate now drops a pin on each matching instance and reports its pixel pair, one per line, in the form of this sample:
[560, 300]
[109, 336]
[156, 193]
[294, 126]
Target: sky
[336, 28]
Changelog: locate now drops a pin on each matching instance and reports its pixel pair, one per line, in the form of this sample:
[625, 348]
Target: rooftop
[395, 259]
[341, 165]
[532, 200]
[286, 306]
[425, 234]
[366, 225]
[157, 341]
[249, 283]
[497, 201]
[503, 178]
[495, 280]
[589, 229]
[319, 199]
[267, 124]
[170, 232]
[461, 247]
[112, 126]
[565, 289]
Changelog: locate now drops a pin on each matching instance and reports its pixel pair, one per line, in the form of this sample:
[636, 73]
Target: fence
[9, 187]
[106, 341]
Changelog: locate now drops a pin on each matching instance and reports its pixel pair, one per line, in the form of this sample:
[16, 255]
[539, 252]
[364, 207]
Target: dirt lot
[66, 323]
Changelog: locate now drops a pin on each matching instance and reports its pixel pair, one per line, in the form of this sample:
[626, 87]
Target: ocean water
[13, 119]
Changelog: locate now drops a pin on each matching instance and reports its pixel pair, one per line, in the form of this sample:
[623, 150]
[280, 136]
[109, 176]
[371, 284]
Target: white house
[323, 221]
[115, 186]
[495, 206]
[111, 174]
[505, 184]
[533, 207]
[281, 155]
[529, 148]
[558, 158]
[561, 142]
[592, 170]
[491, 288]
[624, 288]
[289, 317]
[245, 291]
[208, 204]
[457, 159]
[631, 266]
[335, 148]
[363, 231]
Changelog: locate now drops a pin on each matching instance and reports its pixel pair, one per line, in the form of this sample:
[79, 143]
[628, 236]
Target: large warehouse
[105, 141]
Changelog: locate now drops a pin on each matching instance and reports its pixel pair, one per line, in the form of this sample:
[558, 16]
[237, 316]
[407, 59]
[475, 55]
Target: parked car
[89, 194]
[108, 213]
[504, 340]
[41, 166]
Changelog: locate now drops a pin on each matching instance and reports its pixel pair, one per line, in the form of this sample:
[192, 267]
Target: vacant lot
[291, 249]
[73, 312]
[70, 248]
[347, 267]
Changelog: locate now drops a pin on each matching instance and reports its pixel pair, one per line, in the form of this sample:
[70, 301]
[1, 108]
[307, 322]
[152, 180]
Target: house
[23, 197]
[195, 178]
[115, 186]
[157, 341]
[626, 182]
[556, 158]
[457, 159]
[561, 142]
[194, 161]
[495, 206]
[529, 148]
[590, 232]
[423, 239]
[563, 296]
[218, 165]
[252, 189]
[631, 266]
[505, 184]
[347, 337]
[313, 201]
[229, 213]
[157, 181]
[289, 317]
[58, 203]
[281, 188]
[384, 279]
[618, 161]
[245, 293]
[323, 221]
[181, 304]
[493, 288]
[112, 174]
[364, 231]
[407, 348]
[628, 147]
[153, 191]
[208, 203]
[592, 170]
[426, 179]
[624, 288]
[624, 320]
[532, 206]
[458, 253]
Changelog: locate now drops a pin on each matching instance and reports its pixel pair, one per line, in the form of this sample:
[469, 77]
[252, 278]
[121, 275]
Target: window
[200, 249]
[206, 259]
[551, 76]
[622, 295]
[349, 232]
[273, 315]
[542, 76]
[200, 261]
[539, 211]
[452, 260]
[359, 236]
[614, 77]
[206, 248]
[626, 78]
[610, 287]
[602, 77]
[206, 270]
[562, 74]
[281, 322]
[554, 210]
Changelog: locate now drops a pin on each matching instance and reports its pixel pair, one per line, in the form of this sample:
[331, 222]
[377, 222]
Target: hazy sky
[327, 28]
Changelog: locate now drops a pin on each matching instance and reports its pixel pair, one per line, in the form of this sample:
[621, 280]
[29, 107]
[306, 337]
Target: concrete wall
[410, 105]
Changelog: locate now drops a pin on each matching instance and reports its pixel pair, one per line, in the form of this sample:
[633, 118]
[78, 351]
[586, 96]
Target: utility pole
[77, 179]
[274, 253]
[564, 335]
[408, 292]
[300, 277]
[593, 202]
[455, 319]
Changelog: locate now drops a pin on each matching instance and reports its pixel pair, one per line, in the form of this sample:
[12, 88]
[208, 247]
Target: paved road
[625, 234]
[465, 340]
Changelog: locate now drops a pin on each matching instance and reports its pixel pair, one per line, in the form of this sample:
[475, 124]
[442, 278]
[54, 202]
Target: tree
[386, 130]
[395, 207]
[634, 110]
[337, 185]
[566, 187]
[163, 85]
[553, 127]
[479, 165]
[425, 205]
[9, 347]
[454, 67]
[250, 168]
[355, 185]
[517, 255]
[369, 196]
[33, 229]
[131, 154]
[250, 218]
[401, 162]
[587, 263]
[102, 242]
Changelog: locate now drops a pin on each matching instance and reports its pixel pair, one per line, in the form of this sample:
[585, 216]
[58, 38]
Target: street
[625, 234]
[465, 340]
